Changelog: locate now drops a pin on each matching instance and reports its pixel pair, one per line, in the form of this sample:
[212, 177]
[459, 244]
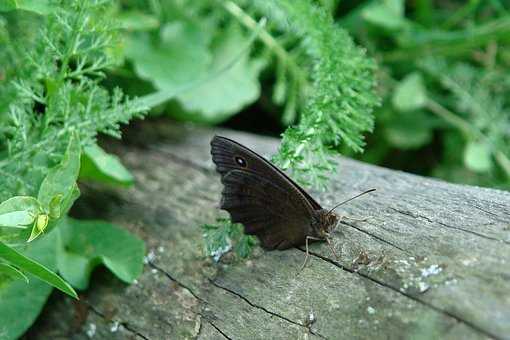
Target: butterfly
[267, 202]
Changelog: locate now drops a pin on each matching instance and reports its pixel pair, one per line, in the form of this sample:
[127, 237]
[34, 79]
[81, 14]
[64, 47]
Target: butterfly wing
[261, 197]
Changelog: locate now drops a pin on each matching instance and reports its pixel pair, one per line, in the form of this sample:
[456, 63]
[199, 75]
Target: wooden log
[432, 261]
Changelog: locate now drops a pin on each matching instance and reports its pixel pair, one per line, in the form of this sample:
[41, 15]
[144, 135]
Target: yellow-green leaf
[19, 211]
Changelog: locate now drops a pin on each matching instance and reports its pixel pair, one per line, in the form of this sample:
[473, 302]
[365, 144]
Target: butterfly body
[265, 200]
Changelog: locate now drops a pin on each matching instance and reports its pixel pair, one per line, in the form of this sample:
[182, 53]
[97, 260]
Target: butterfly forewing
[261, 197]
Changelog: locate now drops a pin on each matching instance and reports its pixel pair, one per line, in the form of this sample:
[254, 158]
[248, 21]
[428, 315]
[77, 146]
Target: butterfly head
[325, 222]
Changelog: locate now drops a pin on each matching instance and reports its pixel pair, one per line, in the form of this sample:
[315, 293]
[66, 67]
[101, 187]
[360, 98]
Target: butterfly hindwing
[261, 197]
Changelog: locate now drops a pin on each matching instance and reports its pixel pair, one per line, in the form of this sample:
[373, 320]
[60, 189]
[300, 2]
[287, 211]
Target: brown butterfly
[267, 202]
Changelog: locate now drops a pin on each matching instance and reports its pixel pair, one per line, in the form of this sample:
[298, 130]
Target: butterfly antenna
[350, 199]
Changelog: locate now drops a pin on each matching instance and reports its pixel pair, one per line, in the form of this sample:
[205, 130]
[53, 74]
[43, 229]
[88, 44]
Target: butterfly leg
[307, 252]
[332, 249]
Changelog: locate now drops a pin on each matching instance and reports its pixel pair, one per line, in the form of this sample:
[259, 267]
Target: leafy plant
[443, 79]
[52, 106]
[337, 98]
[225, 236]
[323, 80]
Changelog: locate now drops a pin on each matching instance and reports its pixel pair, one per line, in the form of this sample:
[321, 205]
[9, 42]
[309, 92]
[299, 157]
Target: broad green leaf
[7, 270]
[42, 7]
[218, 98]
[21, 303]
[19, 211]
[410, 94]
[408, 131]
[35, 268]
[477, 157]
[67, 201]
[85, 244]
[62, 178]
[98, 165]
[388, 14]
[179, 57]
[137, 21]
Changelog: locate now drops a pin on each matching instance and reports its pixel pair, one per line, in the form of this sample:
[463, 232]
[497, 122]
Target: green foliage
[52, 105]
[443, 80]
[334, 80]
[186, 49]
[86, 244]
[21, 301]
[100, 166]
[30, 266]
[324, 82]
[225, 236]
[410, 94]
[484, 117]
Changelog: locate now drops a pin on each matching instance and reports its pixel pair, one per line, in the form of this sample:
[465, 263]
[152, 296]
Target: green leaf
[42, 7]
[19, 211]
[408, 131]
[6, 270]
[61, 179]
[179, 57]
[21, 303]
[137, 21]
[33, 267]
[410, 94]
[477, 157]
[98, 165]
[388, 14]
[85, 244]
[219, 98]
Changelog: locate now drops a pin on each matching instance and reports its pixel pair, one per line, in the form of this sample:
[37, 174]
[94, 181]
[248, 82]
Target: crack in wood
[403, 293]
[218, 329]
[125, 325]
[496, 216]
[180, 284]
[376, 237]
[265, 309]
[428, 219]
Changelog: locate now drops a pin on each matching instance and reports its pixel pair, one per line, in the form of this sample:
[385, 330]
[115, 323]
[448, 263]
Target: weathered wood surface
[439, 258]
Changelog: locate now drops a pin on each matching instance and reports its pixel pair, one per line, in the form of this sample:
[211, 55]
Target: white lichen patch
[91, 330]
[423, 286]
[432, 270]
[416, 275]
[114, 326]
[149, 257]
[370, 310]
[218, 253]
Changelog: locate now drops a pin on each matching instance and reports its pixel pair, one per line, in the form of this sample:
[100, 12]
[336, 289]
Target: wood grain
[438, 257]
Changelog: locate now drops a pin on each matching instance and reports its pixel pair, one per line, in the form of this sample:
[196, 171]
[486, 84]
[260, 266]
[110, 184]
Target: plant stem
[468, 130]
[267, 39]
